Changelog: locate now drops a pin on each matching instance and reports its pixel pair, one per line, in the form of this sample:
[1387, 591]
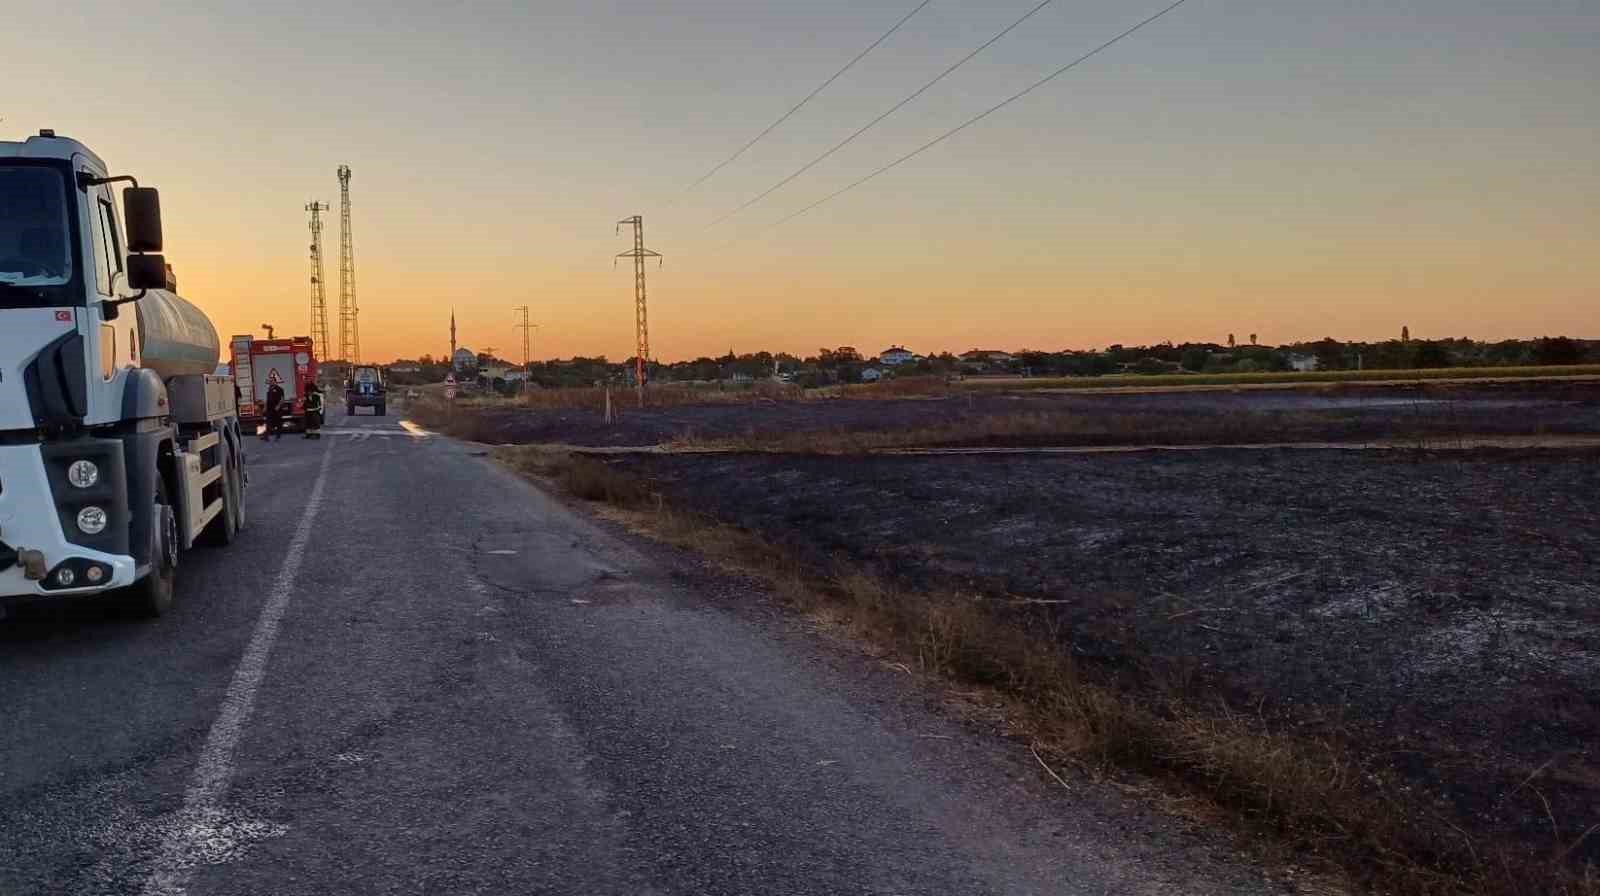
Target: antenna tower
[319, 296]
[641, 320]
[349, 333]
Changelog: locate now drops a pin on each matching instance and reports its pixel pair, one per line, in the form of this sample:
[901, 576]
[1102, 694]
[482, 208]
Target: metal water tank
[175, 337]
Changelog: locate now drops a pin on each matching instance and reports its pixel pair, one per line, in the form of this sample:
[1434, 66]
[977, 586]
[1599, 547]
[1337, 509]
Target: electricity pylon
[641, 319]
[527, 342]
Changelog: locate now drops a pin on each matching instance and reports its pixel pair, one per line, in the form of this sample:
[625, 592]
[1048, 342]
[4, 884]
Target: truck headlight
[83, 473]
[92, 520]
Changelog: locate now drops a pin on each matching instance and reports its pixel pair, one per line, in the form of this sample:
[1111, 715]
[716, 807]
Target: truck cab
[118, 444]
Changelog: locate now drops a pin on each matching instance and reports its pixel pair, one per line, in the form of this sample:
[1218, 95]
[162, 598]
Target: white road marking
[183, 846]
[361, 434]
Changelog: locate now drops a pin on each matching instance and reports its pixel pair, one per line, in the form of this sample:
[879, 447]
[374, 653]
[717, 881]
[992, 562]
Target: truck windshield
[34, 244]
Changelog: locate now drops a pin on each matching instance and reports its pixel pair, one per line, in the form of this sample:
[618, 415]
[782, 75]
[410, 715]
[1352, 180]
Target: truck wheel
[382, 409]
[225, 527]
[239, 480]
[349, 410]
[151, 596]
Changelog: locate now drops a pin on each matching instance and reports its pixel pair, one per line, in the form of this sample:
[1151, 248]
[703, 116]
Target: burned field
[1385, 651]
[1435, 613]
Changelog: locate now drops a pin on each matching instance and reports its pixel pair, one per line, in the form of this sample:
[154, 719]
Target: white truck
[119, 446]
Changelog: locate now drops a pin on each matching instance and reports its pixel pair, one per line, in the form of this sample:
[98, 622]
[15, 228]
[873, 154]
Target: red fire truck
[289, 362]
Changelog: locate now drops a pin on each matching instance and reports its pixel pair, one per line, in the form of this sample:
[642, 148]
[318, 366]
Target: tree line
[848, 365]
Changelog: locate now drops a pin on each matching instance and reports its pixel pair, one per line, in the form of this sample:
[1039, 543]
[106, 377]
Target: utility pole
[349, 332]
[319, 296]
[641, 320]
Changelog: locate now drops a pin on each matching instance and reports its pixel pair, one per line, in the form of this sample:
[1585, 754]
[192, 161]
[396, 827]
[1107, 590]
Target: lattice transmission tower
[527, 327]
[319, 295]
[641, 318]
[349, 331]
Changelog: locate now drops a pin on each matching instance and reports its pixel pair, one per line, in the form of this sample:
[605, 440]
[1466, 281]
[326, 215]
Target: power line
[892, 109]
[809, 97]
[981, 115]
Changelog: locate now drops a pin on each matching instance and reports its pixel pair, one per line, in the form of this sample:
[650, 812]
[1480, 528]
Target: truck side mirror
[146, 271]
[141, 213]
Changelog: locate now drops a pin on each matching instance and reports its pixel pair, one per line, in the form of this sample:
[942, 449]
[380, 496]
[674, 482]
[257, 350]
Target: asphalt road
[415, 673]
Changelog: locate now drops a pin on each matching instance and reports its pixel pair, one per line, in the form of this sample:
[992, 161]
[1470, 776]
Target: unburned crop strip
[1315, 796]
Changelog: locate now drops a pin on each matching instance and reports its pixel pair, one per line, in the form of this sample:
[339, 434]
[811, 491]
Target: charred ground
[1435, 610]
[1427, 612]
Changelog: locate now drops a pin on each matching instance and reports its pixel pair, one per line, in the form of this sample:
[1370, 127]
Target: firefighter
[274, 412]
[313, 416]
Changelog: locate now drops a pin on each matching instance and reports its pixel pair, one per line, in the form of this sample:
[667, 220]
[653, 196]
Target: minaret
[452, 358]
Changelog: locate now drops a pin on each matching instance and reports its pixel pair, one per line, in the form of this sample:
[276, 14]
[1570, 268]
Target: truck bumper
[31, 519]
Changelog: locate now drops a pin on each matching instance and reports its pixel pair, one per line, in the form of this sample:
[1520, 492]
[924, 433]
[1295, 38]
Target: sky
[1291, 168]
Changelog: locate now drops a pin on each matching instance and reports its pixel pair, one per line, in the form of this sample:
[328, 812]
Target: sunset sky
[1292, 168]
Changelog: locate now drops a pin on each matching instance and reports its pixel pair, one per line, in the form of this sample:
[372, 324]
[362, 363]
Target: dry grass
[1315, 797]
[461, 419]
[670, 395]
[1125, 380]
[902, 387]
[664, 395]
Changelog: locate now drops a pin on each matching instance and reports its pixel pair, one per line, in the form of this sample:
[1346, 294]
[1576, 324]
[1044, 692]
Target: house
[871, 375]
[979, 356]
[1303, 363]
[464, 359]
[985, 359]
[897, 355]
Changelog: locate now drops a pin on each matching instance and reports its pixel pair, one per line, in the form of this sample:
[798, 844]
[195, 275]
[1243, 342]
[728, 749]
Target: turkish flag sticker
[64, 316]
